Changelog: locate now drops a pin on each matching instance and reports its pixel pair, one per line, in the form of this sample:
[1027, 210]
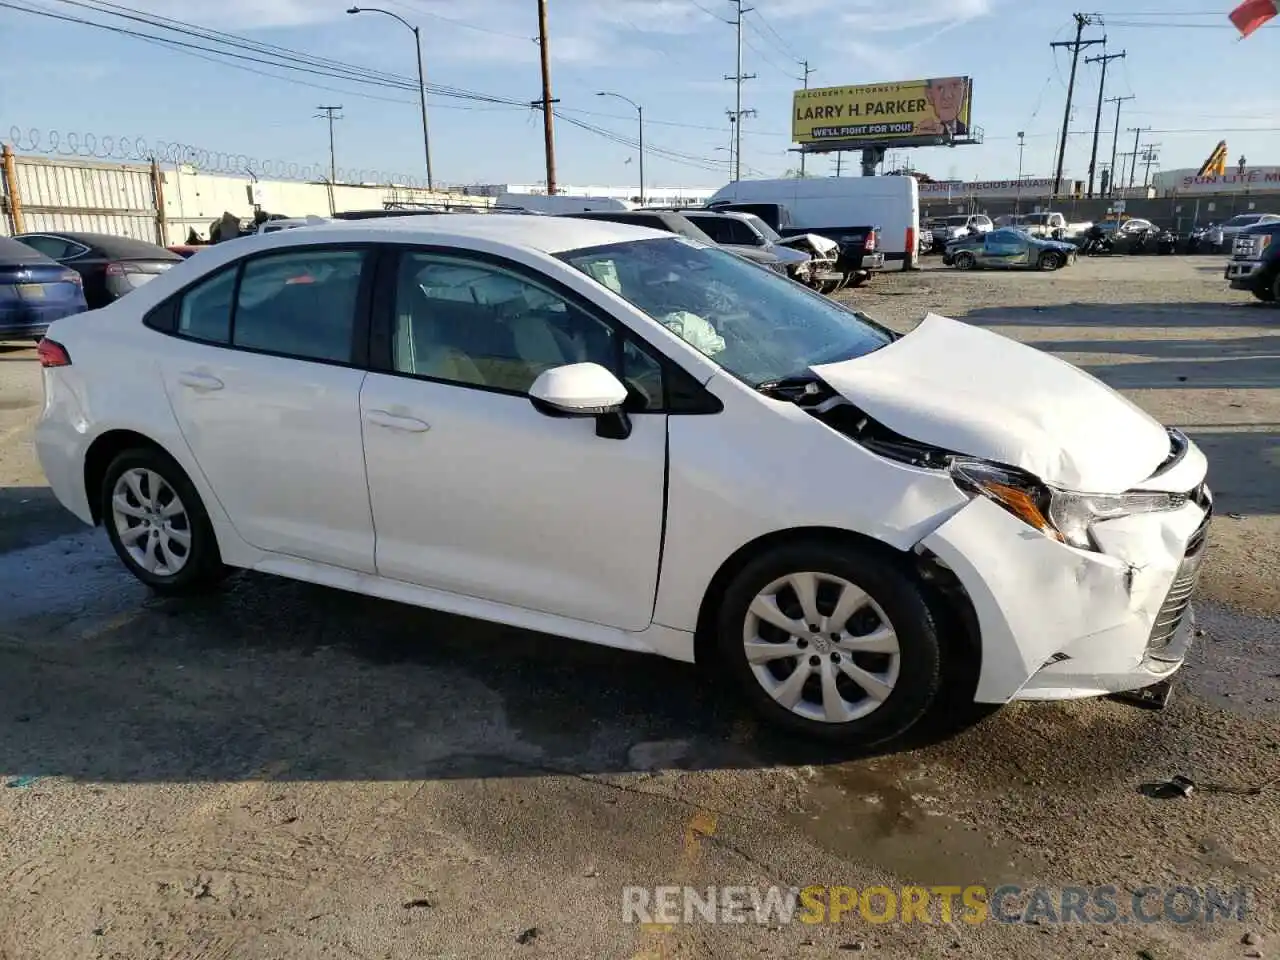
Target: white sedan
[619, 436]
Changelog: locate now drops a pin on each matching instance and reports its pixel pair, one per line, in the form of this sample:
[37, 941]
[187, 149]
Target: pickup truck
[1049, 226]
[1255, 262]
[858, 255]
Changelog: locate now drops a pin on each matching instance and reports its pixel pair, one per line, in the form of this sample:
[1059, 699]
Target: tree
[795, 174]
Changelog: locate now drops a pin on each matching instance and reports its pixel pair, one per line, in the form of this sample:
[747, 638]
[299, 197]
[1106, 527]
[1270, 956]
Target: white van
[833, 205]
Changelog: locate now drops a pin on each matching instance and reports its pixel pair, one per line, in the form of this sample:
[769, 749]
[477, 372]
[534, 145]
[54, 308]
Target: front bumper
[1244, 274]
[1060, 623]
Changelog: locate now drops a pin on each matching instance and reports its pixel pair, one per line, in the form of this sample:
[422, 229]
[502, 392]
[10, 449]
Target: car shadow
[102, 680]
[30, 516]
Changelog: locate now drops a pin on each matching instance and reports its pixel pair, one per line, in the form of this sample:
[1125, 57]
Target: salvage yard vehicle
[945, 229]
[35, 290]
[593, 430]
[779, 259]
[1008, 248]
[110, 266]
[1255, 263]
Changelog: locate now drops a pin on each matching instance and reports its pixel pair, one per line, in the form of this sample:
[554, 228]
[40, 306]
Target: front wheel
[831, 642]
[1050, 261]
[964, 261]
[158, 525]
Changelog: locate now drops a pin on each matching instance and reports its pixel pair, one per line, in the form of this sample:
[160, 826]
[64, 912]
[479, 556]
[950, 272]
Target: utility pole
[737, 78]
[1149, 156]
[1082, 20]
[548, 130]
[1125, 158]
[807, 70]
[330, 114]
[839, 159]
[1115, 141]
[1097, 118]
[1133, 167]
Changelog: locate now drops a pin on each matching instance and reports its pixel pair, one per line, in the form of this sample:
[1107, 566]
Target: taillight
[870, 244]
[116, 269]
[911, 242]
[72, 277]
[53, 354]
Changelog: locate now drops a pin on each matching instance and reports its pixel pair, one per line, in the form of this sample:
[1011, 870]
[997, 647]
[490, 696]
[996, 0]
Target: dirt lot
[283, 770]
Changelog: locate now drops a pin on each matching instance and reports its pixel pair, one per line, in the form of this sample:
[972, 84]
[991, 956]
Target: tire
[139, 492]
[910, 679]
[1266, 295]
[1050, 261]
[859, 280]
[964, 261]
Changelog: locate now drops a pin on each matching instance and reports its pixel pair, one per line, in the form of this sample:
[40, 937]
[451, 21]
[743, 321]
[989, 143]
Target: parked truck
[1255, 262]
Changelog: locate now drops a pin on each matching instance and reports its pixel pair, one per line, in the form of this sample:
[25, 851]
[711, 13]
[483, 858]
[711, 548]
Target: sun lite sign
[882, 112]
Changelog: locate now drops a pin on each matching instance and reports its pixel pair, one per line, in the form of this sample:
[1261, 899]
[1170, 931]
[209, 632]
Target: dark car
[110, 266]
[671, 222]
[34, 292]
[1255, 262]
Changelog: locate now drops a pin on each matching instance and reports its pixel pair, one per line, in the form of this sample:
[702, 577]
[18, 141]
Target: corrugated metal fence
[62, 195]
[161, 205]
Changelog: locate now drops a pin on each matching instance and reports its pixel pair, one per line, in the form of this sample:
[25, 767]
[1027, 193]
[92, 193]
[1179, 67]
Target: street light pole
[422, 84]
[640, 115]
[1022, 142]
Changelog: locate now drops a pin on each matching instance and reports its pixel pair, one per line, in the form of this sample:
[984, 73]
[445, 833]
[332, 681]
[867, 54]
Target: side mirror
[583, 390]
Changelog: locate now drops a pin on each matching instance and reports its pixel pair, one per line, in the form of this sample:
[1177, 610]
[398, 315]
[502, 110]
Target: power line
[777, 39]
[293, 60]
[423, 11]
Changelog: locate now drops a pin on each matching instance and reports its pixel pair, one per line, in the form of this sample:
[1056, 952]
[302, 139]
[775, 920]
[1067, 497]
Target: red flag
[1252, 14]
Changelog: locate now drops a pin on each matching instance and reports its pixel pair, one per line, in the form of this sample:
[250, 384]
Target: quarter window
[479, 325]
[301, 304]
[205, 313]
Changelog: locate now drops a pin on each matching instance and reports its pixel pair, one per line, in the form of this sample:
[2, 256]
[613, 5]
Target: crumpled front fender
[1038, 600]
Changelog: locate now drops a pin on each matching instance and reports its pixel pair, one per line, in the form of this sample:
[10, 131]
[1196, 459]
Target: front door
[262, 384]
[1005, 248]
[477, 493]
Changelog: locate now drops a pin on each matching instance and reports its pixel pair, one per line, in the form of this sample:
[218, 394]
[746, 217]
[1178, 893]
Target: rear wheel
[157, 523]
[965, 261]
[831, 642]
[1050, 260]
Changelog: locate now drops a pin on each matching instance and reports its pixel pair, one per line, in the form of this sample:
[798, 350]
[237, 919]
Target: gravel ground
[283, 770]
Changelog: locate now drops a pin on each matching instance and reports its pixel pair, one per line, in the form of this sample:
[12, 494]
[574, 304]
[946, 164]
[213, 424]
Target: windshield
[766, 231]
[757, 325]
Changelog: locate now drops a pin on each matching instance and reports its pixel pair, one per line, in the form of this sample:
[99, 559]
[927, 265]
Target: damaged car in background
[628, 438]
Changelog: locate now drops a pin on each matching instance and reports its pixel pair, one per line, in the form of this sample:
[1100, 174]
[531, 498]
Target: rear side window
[55, 247]
[205, 311]
[302, 304]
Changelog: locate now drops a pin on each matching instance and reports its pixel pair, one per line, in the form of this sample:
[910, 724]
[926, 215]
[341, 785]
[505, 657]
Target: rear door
[263, 374]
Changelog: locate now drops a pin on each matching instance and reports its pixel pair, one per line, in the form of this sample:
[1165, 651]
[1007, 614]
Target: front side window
[301, 303]
[482, 325]
[757, 325]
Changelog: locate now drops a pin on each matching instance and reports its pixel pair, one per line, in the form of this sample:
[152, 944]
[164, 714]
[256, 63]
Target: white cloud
[870, 16]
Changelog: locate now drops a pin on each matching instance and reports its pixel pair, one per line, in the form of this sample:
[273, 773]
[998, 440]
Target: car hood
[974, 392]
[789, 254]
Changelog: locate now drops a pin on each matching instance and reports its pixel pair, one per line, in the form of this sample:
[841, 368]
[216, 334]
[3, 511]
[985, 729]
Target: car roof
[110, 244]
[680, 223]
[12, 251]
[549, 235]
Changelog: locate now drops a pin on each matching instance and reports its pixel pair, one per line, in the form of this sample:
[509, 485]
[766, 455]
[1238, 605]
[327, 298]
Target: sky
[1193, 82]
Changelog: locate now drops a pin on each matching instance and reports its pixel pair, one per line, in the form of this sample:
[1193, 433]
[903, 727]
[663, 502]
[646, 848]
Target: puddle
[874, 815]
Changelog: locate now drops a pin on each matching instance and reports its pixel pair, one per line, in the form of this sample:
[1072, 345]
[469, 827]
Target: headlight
[1062, 515]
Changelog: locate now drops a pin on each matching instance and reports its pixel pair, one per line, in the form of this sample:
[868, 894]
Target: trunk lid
[981, 394]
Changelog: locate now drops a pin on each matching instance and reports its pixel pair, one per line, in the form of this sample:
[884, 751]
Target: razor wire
[129, 149]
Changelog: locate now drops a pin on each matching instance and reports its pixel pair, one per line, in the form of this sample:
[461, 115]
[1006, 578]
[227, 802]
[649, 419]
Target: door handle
[199, 381]
[394, 422]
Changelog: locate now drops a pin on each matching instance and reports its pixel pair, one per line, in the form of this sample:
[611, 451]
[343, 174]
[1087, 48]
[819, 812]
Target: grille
[1175, 605]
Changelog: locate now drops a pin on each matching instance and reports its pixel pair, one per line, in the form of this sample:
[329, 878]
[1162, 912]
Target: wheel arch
[104, 449]
[948, 600]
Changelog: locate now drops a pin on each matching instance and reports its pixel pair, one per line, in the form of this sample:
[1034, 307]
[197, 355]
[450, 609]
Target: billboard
[883, 112]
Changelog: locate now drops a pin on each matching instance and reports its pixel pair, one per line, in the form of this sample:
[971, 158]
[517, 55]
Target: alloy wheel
[821, 647]
[151, 521]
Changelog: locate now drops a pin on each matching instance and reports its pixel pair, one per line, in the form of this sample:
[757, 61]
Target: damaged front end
[822, 272]
[1071, 594]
